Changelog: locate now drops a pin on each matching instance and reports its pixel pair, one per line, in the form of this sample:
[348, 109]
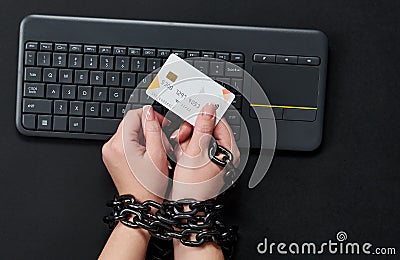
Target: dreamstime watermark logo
[341, 246]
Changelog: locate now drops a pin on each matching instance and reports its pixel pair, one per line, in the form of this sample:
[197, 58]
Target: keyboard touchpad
[288, 85]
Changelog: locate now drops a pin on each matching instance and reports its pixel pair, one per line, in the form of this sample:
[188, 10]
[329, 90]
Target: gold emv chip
[171, 76]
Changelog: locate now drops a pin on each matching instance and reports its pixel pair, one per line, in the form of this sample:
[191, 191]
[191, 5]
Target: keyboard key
[134, 51]
[101, 125]
[120, 110]
[299, 114]
[39, 106]
[286, 59]
[31, 46]
[60, 123]
[68, 92]
[208, 54]
[128, 79]
[153, 64]
[30, 58]
[76, 108]
[144, 98]
[60, 107]
[222, 55]
[232, 70]
[144, 80]
[237, 57]
[119, 50]
[53, 91]
[43, 59]
[216, 68]
[105, 50]
[46, 46]
[33, 74]
[237, 102]
[201, 65]
[90, 61]
[92, 109]
[75, 60]
[131, 98]
[106, 62]
[225, 82]
[84, 93]
[112, 78]
[138, 64]
[62, 47]
[65, 76]
[100, 93]
[309, 61]
[237, 84]
[266, 58]
[122, 63]
[163, 53]
[44, 122]
[236, 132]
[90, 49]
[50, 75]
[96, 78]
[34, 90]
[59, 59]
[192, 54]
[75, 124]
[29, 122]
[180, 53]
[149, 52]
[107, 109]
[233, 117]
[115, 94]
[81, 76]
[75, 48]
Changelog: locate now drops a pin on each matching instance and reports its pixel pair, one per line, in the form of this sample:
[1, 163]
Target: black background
[53, 191]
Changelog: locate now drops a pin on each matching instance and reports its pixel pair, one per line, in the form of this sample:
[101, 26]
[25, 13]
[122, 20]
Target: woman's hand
[193, 163]
[138, 141]
[194, 166]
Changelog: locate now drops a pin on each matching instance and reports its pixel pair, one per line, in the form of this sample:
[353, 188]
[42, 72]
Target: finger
[224, 136]
[130, 130]
[223, 131]
[152, 132]
[163, 121]
[203, 130]
[182, 133]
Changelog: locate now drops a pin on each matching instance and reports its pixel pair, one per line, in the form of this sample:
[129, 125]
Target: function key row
[131, 51]
[286, 59]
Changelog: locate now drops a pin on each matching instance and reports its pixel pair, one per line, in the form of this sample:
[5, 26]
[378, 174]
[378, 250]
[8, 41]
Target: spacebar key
[101, 125]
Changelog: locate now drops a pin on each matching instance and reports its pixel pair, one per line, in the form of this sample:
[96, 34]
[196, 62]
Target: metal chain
[170, 220]
[227, 162]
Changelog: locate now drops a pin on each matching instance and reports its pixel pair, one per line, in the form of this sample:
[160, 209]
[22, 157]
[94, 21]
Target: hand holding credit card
[184, 90]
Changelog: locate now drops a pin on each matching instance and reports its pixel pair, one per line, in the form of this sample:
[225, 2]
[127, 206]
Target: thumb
[203, 130]
[152, 133]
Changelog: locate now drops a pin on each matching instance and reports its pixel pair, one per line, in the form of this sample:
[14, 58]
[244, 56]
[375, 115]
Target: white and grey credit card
[184, 90]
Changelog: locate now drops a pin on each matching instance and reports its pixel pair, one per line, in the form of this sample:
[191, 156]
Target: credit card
[184, 90]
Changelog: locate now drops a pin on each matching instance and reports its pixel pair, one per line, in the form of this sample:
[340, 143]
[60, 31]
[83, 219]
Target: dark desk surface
[53, 191]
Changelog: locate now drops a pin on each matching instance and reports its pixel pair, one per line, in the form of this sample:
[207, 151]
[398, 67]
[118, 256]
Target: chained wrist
[200, 223]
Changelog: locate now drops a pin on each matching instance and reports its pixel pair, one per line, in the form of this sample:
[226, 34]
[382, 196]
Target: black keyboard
[84, 88]
[76, 75]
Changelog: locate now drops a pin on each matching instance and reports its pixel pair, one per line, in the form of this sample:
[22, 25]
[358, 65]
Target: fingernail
[149, 113]
[174, 134]
[208, 110]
